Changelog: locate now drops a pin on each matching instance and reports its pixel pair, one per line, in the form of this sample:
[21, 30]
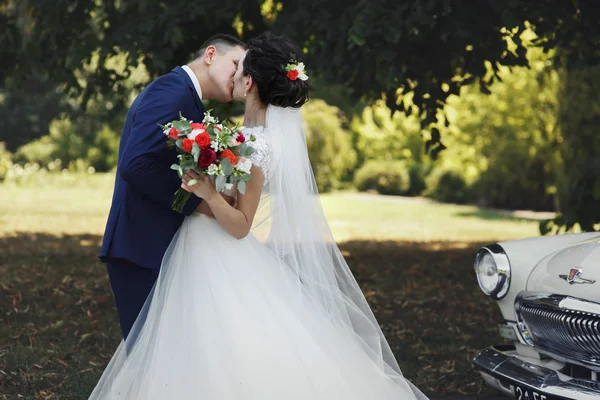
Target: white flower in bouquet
[197, 129]
[208, 119]
[212, 169]
[244, 165]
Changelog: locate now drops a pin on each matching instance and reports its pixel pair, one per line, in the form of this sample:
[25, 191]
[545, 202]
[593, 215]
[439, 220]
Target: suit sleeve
[142, 164]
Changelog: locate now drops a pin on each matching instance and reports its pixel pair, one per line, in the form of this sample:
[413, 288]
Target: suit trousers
[131, 285]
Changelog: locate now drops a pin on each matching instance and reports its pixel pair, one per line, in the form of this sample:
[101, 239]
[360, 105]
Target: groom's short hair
[222, 42]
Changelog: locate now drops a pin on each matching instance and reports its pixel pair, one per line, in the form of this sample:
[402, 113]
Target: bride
[231, 317]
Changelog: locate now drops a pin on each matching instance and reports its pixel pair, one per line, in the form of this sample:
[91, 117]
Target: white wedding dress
[226, 322]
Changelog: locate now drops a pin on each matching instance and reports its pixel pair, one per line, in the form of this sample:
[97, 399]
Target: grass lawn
[413, 259]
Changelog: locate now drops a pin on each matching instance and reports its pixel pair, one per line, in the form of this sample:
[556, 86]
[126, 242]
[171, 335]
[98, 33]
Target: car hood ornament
[574, 276]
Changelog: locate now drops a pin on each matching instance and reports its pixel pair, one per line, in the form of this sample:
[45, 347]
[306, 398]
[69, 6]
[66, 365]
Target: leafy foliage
[447, 185]
[385, 137]
[427, 48]
[102, 155]
[5, 161]
[329, 146]
[27, 108]
[505, 143]
[390, 177]
[578, 164]
[40, 151]
[417, 54]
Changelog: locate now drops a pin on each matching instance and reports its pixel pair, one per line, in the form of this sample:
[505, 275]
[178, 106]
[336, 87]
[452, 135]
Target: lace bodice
[261, 157]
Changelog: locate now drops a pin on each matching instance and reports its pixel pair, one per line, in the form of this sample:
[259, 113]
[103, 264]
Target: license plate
[523, 393]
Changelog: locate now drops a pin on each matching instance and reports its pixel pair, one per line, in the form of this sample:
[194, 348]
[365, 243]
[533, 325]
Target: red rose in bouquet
[173, 133]
[229, 154]
[204, 147]
[206, 158]
[187, 145]
[198, 126]
[203, 140]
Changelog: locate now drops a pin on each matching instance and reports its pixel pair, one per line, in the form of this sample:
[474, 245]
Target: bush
[102, 155]
[499, 187]
[578, 166]
[417, 174]
[39, 151]
[391, 178]
[384, 137]
[330, 149]
[69, 145]
[447, 185]
[504, 144]
[5, 161]
[77, 153]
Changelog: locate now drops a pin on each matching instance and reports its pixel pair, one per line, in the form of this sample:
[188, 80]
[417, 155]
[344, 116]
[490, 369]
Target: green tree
[428, 48]
[5, 161]
[578, 164]
[505, 143]
[27, 108]
[421, 50]
[383, 137]
[329, 146]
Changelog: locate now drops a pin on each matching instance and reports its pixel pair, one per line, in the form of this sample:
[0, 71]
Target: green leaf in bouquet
[178, 168]
[181, 125]
[196, 151]
[179, 143]
[241, 187]
[220, 183]
[245, 178]
[226, 166]
[245, 150]
[241, 148]
[188, 164]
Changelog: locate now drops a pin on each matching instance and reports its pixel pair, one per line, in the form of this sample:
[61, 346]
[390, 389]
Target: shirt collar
[194, 80]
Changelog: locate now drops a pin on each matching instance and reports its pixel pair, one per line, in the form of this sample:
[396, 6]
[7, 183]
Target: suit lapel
[185, 77]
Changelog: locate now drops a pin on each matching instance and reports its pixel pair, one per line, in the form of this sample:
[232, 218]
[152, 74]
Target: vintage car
[548, 290]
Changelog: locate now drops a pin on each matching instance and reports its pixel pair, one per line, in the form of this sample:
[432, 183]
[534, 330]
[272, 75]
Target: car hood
[551, 275]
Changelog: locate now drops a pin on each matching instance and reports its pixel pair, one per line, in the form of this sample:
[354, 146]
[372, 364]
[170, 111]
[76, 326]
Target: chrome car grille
[563, 326]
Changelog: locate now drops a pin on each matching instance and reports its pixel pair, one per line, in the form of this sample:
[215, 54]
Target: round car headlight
[493, 271]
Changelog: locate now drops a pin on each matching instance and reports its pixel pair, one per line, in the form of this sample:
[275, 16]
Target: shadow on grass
[59, 327]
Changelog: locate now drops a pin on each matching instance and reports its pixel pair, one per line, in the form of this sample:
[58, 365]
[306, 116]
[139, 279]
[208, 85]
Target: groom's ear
[209, 54]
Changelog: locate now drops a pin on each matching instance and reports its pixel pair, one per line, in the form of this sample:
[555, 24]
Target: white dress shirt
[194, 80]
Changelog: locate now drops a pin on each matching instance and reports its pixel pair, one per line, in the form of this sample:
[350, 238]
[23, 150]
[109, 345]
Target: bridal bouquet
[217, 149]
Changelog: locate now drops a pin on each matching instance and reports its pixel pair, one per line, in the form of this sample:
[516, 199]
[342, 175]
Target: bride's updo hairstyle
[267, 57]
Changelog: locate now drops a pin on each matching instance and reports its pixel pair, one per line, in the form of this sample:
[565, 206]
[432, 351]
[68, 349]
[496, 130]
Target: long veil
[302, 240]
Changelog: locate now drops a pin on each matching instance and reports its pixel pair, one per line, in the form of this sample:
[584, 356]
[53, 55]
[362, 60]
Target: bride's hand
[203, 187]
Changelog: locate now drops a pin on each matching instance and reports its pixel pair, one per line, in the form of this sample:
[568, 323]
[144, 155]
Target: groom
[141, 223]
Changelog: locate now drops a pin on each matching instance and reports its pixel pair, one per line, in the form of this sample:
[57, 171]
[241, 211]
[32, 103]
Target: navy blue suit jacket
[141, 223]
